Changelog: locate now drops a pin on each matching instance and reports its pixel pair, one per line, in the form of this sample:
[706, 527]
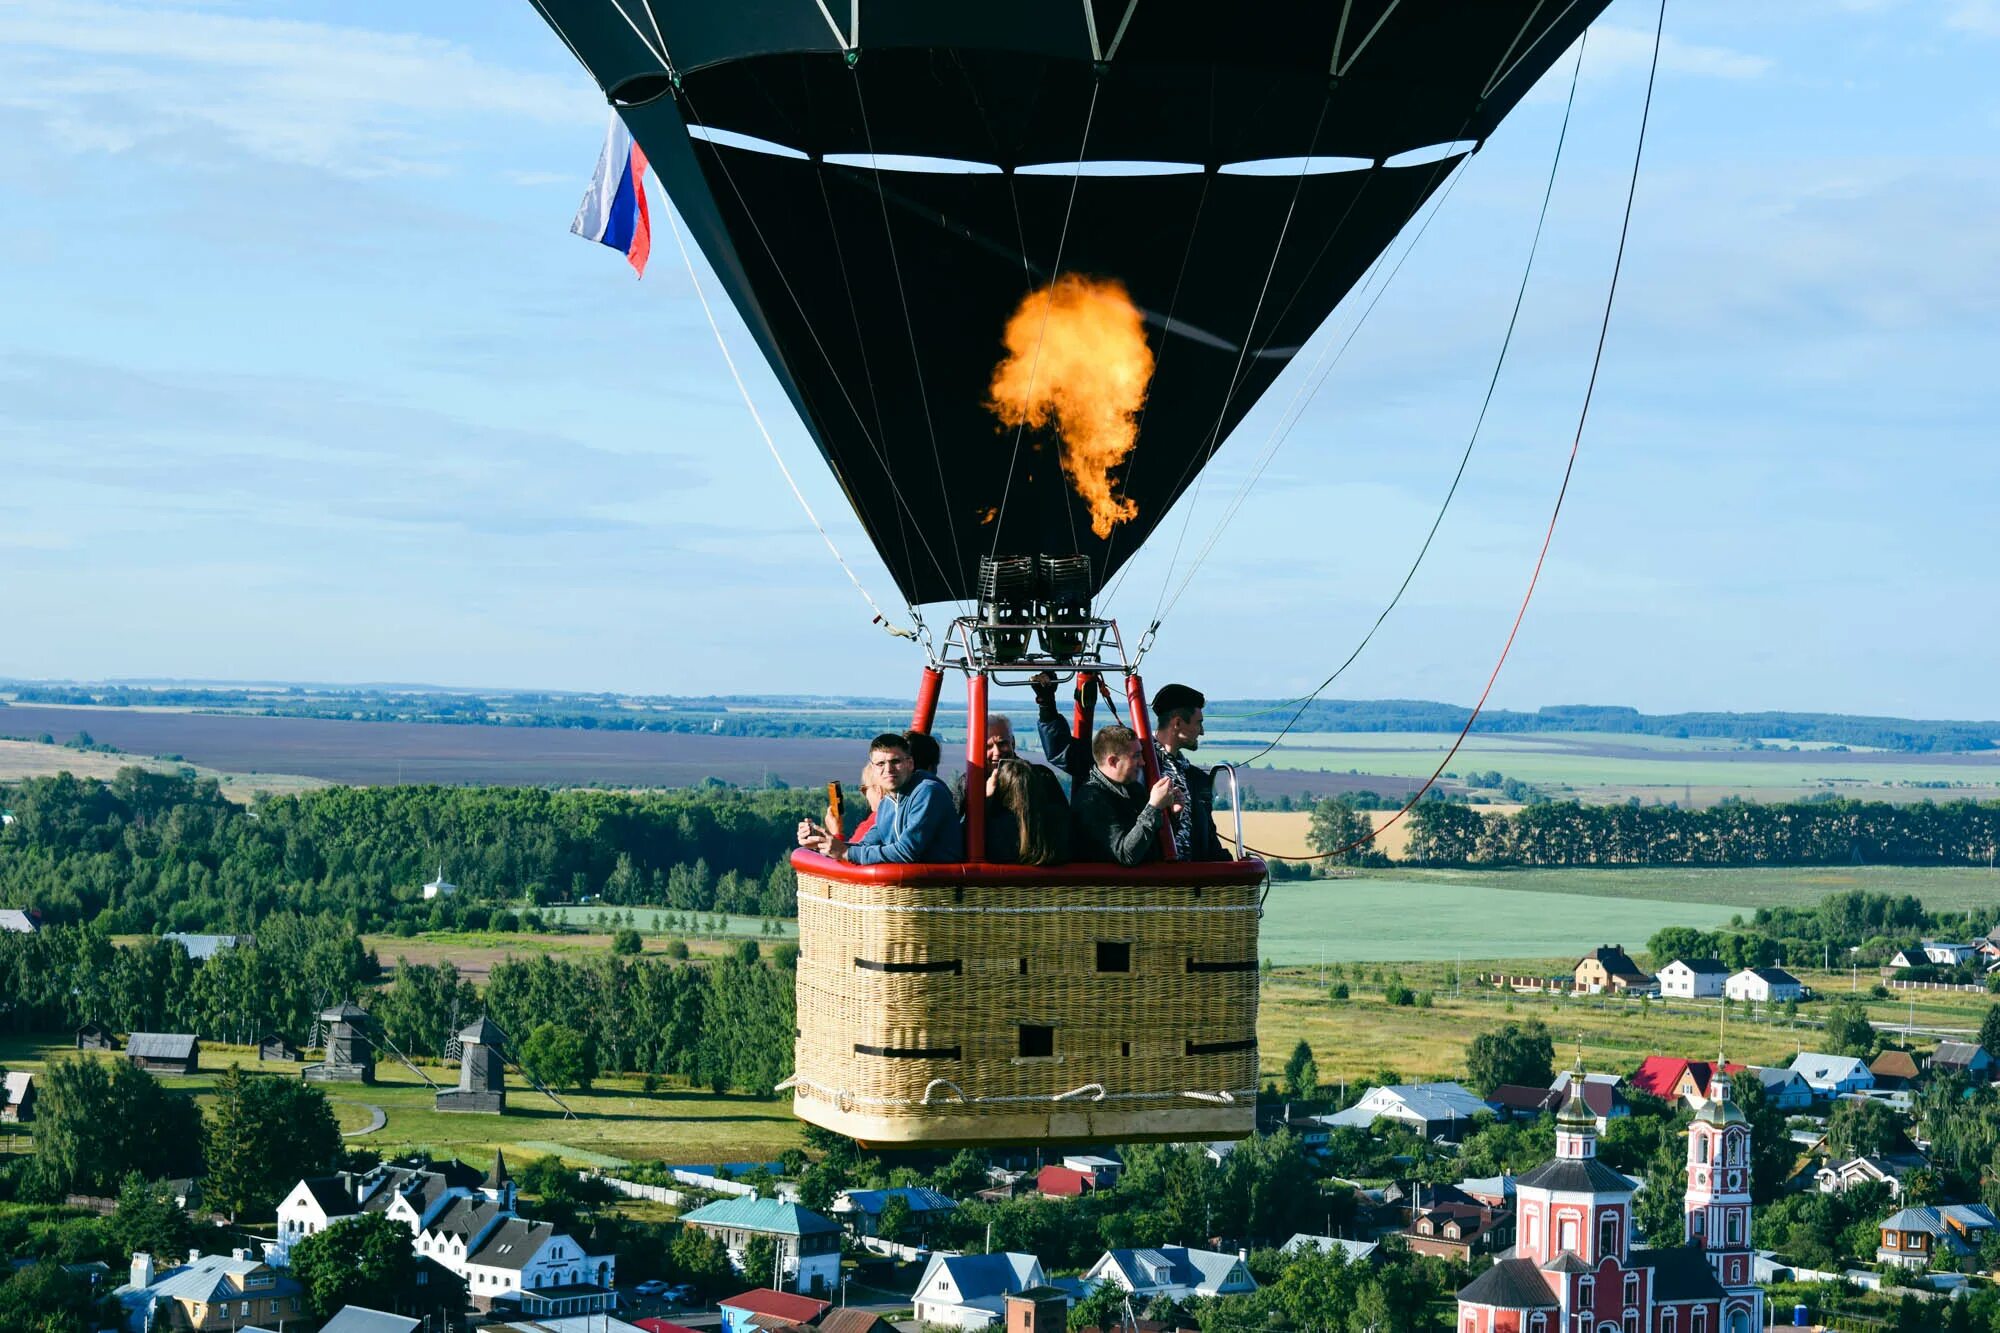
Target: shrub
[1396, 993]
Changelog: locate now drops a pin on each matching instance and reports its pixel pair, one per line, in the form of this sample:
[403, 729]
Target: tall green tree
[1519, 1053]
[96, 1121]
[148, 1219]
[560, 1056]
[265, 1133]
[1989, 1030]
[367, 1260]
[1301, 1072]
[1848, 1031]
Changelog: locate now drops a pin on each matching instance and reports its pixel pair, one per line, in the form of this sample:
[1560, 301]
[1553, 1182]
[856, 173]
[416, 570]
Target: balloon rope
[1569, 468]
[1479, 422]
[881, 618]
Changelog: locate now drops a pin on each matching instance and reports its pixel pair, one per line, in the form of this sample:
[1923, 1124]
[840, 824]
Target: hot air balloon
[1021, 268]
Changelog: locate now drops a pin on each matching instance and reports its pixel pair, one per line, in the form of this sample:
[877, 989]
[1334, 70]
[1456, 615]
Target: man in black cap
[1177, 729]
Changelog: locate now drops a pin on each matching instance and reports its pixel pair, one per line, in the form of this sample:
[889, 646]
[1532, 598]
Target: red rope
[1569, 468]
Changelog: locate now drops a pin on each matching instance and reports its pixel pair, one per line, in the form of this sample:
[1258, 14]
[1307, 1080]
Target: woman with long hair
[1027, 818]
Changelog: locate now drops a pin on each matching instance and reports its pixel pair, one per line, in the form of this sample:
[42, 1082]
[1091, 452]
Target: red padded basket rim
[1075, 874]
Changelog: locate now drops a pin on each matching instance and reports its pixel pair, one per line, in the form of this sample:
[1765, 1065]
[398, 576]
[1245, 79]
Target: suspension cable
[1464, 458]
[880, 617]
[1569, 466]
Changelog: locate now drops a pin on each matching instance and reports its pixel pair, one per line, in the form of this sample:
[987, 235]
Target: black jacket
[1113, 822]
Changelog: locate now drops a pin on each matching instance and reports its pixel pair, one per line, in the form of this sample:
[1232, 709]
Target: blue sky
[301, 377]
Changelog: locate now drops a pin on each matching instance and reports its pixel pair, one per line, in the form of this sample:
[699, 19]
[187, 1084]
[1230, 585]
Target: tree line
[150, 851]
[1819, 831]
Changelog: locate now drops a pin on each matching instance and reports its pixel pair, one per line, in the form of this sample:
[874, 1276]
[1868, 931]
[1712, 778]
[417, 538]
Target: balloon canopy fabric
[880, 294]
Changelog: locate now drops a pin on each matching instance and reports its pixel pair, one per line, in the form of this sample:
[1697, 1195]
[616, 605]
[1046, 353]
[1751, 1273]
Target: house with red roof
[1675, 1080]
[762, 1304]
[1064, 1182]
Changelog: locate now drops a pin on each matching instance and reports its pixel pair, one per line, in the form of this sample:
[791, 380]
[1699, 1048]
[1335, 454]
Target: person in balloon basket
[1115, 817]
[1177, 732]
[1027, 815]
[999, 748]
[915, 822]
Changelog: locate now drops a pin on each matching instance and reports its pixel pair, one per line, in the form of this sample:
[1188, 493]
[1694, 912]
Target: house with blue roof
[1173, 1271]
[860, 1211]
[971, 1290]
[808, 1244]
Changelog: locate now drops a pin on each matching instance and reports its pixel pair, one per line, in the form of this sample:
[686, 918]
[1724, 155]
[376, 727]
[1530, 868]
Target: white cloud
[1979, 17]
[109, 77]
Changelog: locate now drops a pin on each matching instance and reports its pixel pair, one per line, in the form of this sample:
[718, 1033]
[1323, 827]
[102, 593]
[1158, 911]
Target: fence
[1937, 985]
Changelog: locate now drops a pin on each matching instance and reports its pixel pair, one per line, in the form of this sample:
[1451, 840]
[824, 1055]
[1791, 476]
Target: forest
[1817, 831]
[167, 851]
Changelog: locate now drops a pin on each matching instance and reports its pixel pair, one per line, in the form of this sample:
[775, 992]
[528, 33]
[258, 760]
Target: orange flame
[1076, 351]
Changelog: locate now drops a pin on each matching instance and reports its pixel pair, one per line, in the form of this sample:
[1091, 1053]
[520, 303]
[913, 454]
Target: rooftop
[771, 1216]
[160, 1045]
[783, 1304]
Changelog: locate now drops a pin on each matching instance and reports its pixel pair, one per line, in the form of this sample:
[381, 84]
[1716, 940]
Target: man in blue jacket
[916, 823]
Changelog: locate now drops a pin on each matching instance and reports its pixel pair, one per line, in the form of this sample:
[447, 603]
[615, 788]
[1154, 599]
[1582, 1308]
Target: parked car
[651, 1288]
[680, 1294]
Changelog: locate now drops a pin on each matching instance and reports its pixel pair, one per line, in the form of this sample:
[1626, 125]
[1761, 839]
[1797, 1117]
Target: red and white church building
[1574, 1267]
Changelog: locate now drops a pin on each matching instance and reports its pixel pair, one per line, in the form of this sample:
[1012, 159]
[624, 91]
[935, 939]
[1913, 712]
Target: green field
[1939, 888]
[1597, 766]
[614, 1122]
[1397, 917]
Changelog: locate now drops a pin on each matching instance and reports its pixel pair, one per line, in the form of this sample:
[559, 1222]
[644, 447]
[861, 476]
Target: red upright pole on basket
[1142, 725]
[975, 766]
[1083, 711]
[927, 700]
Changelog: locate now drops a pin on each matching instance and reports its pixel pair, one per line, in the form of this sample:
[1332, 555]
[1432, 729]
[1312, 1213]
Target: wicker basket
[990, 1004]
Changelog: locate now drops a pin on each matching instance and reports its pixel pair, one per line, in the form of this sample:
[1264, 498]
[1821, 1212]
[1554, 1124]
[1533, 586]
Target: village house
[1693, 979]
[279, 1049]
[466, 1224]
[1785, 1089]
[361, 1319]
[1840, 1177]
[808, 1245]
[164, 1052]
[1895, 1070]
[1064, 1182]
[1934, 953]
[861, 1210]
[1448, 1222]
[440, 887]
[1915, 1237]
[1963, 1058]
[762, 1308]
[95, 1037]
[1764, 985]
[17, 1097]
[1674, 1080]
[971, 1290]
[201, 948]
[1103, 1171]
[1356, 1251]
[1513, 1101]
[214, 1291]
[1435, 1110]
[1575, 1267]
[1609, 968]
[1831, 1076]
[1602, 1093]
[1173, 1271]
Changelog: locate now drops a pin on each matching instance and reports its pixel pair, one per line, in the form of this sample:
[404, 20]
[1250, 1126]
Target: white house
[971, 1290]
[464, 1222]
[1355, 1250]
[439, 887]
[1764, 985]
[1693, 979]
[1173, 1271]
[1833, 1075]
[1840, 1177]
[1433, 1109]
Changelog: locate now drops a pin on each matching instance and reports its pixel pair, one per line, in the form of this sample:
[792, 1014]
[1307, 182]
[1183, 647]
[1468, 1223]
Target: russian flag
[613, 211]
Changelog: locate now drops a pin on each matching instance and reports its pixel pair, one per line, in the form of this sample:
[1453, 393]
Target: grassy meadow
[616, 1121]
[1354, 1039]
